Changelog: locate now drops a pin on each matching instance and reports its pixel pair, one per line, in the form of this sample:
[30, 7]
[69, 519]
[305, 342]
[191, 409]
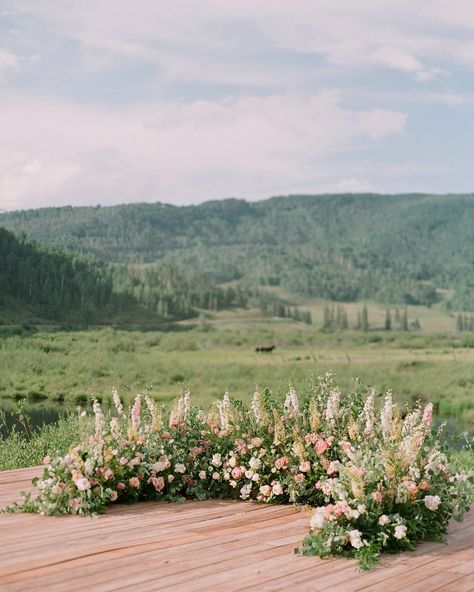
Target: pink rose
[157, 482]
[237, 472]
[377, 496]
[121, 486]
[256, 442]
[265, 490]
[281, 463]
[321, 446]
[134, 482]
[305, 466]
[299, 478]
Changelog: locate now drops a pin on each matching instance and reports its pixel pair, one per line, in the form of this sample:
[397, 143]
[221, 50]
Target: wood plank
[199, 546]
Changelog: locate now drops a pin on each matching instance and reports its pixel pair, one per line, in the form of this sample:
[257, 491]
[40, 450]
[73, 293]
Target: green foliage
[19, 450]
[392, 248]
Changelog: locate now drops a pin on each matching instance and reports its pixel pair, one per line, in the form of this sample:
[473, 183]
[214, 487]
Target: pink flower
[311, 438]
[83, 484]
[377, 496]
[256, 442]
[165, 436]
[46, 460]
[134, 482]
[157, 482]
[281, 463]
[299, 478]
[266, 490]
[305, 466]
[237, 472]
[121, 486]
[321, 446]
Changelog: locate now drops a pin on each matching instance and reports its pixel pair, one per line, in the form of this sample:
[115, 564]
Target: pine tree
[388, 320]
[364, 319]
[404, 322]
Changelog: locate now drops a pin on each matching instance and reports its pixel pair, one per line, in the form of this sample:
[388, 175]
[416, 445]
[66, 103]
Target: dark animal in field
[265, 348]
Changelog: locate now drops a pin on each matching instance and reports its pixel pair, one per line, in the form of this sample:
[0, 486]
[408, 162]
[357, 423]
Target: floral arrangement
[376, 480]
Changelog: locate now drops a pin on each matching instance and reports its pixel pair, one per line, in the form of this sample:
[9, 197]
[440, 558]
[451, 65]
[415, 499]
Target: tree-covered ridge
[392, 248]
[77, 288]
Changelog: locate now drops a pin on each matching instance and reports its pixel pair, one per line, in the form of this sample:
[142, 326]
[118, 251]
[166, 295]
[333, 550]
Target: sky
[183, 101]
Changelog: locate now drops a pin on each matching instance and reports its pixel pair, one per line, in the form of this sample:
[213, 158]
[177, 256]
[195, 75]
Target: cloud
[8, 60]
[57, 152]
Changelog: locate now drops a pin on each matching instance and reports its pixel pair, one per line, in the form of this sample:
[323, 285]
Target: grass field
[51, 367]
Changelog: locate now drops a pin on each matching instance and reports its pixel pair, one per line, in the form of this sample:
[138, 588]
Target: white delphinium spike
[369, 413]
[411, 423]
[99, 418]
[256, 406]
[332, 409]
[184, 405]
[292, 404]
[117, 402]
[152, 409]
[115, 428]
[224, 407]
[386, 414]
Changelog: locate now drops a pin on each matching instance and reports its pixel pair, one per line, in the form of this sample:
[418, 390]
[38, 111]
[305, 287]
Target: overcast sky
[181, 101]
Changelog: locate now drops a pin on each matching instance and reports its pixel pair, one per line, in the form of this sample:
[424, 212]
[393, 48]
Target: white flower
[202, 474]
[318, 519]
[256, 477]
[277, 489]
[383, 520]
[233, 484]
[248, 474]
[158, 466]
[255, 463]
[400, 531]
[245, 491]
[216, 460]
[386, 414]
[291, 404]
[226, 476]
[232, 461]
[179, 468]
[361, 509]
[83, 484]
[355, 538]
[215, 476]
[432, 502]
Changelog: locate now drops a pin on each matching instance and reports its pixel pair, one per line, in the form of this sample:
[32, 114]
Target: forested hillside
[401, 249]
[65, 287]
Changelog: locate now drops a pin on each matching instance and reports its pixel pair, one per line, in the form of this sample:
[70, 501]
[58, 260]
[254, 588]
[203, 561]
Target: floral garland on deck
[376, 481]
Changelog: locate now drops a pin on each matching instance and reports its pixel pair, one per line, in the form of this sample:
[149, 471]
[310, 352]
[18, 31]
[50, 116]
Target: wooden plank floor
[203, 546]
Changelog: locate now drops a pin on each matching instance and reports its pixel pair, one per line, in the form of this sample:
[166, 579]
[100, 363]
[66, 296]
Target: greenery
[22, 450]
[75, 288]
[405, 249]
[378, 482]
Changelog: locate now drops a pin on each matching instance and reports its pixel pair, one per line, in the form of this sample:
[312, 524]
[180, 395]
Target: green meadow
[50, 367]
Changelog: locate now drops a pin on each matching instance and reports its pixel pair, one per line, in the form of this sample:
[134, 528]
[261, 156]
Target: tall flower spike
[292, 404]
[386, 414]
[117, 402]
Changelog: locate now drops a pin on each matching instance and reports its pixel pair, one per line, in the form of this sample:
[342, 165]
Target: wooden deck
[203, 546]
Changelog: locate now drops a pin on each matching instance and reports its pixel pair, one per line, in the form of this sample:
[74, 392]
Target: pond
[38, 414]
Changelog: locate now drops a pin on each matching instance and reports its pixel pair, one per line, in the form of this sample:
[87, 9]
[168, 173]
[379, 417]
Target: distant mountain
[391, 248]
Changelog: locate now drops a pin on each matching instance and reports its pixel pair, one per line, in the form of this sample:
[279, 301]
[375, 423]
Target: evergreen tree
[364, 321]
[388, 320]
[404, 320]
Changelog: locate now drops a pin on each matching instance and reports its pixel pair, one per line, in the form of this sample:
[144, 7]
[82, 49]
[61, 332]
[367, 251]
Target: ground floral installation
[376, 481]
